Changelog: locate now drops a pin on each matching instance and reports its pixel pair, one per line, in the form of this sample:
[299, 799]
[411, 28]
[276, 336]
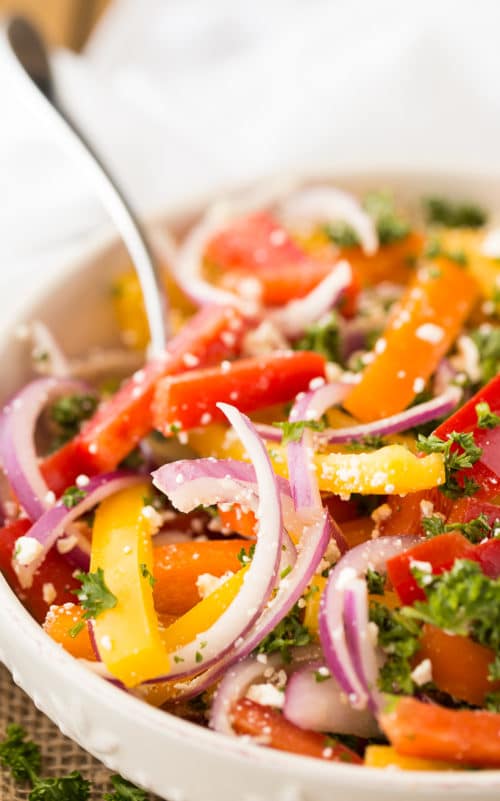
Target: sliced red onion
[36, 543]
[315, 702]
[310, 552]
[430, 410]
[17, 440]
[310, 406]
[325, 204]
[240, 677]
[262, 572]
[234, 686]
[360, 640]
[372, 554]
[443, 377]
[201, 482]
[297, 315]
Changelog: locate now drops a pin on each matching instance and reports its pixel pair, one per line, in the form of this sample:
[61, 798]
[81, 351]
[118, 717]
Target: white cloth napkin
[183, 97]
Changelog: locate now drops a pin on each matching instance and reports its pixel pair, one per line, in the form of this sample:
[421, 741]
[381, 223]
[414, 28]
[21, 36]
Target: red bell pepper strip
[440, 552]
[464, 736]
[488, 555]
[486, 471]
[214, 333]
[419, 333]
[52, 582]
[258, 249]
[260, 721]
[189, 400]
[467, 509]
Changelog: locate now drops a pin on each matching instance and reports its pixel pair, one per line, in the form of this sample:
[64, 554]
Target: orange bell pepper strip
[235, 519]
[128, 635]
[53, 582]
[406, 512]
[260, 721]
[58, 623]
[190, 400]
[428, 731]
[214, 333]
[357, 531]
[419, 333]
[393, 262]
[177, 567]
[459, 665]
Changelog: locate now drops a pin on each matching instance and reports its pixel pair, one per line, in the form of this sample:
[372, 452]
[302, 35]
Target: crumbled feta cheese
[27, 550]
[49, 592]
[206, 583]
[490, 246]
[66, 544]
[418, 385]
[82, 480]
[422, 673]
[429, 332]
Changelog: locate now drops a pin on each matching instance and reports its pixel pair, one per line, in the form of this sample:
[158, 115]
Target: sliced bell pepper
[260, 721]
[467, 509]
[384, 756]
[128, 635]
[235, 519]
[392, 469]
[357, 531]
[214, 333]
[406, 512]
[52, 582]
[459, 665]
[440, 552]
[418, 335]
[257, 250]
[58, 623]
[313, 599]
[428, 731]
[187, 401]
[178, 565]
[486, 471]
[468, 241]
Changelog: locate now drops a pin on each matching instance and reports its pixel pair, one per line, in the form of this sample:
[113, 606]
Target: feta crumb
[27, 550]
[426, 508]
[82, 480]
[50, 498]
[422, 673]
[66, 544]
[429, 332]
[267, 695]
[418, 385]
[190, 360]
[105, 641]
[206, 583]
[49, 592]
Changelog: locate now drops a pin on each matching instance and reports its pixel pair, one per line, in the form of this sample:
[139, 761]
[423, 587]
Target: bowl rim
[239, 751]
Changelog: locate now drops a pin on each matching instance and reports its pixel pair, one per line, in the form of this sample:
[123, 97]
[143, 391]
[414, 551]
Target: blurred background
[184, 98]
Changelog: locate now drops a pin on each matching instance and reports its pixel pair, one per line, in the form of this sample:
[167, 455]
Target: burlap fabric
[59, 755]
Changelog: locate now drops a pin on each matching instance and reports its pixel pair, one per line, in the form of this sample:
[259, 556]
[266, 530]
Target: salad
[287, 528]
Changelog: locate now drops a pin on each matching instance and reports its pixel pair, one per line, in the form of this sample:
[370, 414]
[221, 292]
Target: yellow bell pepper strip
[391, 470]
[425, 324]
[127, 636]
[385, 756]
[469, 242]
[312, 599]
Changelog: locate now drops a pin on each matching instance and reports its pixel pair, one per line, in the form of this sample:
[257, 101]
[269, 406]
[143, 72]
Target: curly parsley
[124, 791]
[341, 234]
[399, 639]
[487, 342]
[292, 432]
[68, 413]
[475, 530]
[485, 417]
[391, 227]
[463, 601]
[375, 582]
[439, 211]
[289, 632]
[463, 457]
[72, 496]
[94, 596]
[323, 338]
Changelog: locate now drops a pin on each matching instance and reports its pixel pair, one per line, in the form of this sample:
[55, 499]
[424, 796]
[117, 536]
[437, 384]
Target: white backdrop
[183, 96]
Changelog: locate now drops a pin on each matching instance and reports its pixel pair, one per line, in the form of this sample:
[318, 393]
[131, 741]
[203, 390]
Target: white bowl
[175, 758]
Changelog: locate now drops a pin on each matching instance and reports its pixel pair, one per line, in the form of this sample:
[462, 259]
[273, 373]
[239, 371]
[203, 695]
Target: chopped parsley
[94, 596]
[487, 342]
[463, 601]
[475, 530]
[70, 411]
[375, 582]
[292, 432]
[124, 791]
[289, 632]
[492, 701]
[399, 638]
[341, 234]
[23, 759]
[439, 211]
[146, 573]
[245, 557]
[391, 227]
[455, 460]
[485, 417]
[371, 443]
[323, 338]
[72, 496]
